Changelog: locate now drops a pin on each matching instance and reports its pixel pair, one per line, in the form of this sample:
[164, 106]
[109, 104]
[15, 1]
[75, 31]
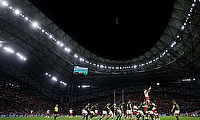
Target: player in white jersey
[155, 112]
[146, 94]
[70, 112]
[47, 113]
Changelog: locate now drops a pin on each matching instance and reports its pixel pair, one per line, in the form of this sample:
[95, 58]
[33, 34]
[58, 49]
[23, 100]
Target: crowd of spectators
[16, 100]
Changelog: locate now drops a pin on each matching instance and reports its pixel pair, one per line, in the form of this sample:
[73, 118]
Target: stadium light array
[173, 43]
[54, 78]
[10, 50]
[21, 56]
[63, 83]
[83, 86]
[4, 3]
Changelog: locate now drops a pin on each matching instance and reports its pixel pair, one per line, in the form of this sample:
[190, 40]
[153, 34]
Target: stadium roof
[47, 49]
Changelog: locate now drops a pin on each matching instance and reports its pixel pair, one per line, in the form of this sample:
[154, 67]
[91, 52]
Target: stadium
[42, 64]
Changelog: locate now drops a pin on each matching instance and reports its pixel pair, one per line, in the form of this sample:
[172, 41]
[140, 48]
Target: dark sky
[117, 30]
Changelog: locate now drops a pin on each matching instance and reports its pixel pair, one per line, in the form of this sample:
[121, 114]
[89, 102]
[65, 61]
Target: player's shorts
[119, 111]
[92, 112]
[177, 111]
[55, 112]
[96, 111]
[111, 113]
[129, 112]
[150, 112]
[104, 112]
[84, 111]
[145, 111]
[135, 112]
[140, 112]
[147, 98]
[155, 112]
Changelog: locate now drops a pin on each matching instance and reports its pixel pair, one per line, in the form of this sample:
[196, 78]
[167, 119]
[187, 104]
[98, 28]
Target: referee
[56, 112]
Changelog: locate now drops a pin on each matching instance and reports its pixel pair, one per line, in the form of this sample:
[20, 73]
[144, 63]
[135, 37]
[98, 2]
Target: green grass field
[79, 118]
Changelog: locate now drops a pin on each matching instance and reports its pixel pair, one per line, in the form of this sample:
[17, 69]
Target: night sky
[118, 30]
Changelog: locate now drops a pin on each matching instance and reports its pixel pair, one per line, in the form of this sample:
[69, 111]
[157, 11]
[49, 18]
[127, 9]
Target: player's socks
[86, 117]
[152, 118]
[177, 118]
[142, 117]
[83, 117]
[137, 116]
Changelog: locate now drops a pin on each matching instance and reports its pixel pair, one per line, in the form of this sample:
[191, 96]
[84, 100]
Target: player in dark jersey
[140, 112]
[86, 111]
[120, 110]
[93, 110]
[129, 110]
[175, 109]
[106, 112]
[113, 109]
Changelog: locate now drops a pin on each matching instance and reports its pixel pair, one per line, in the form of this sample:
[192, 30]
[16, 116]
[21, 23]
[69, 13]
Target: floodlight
[17, 12]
